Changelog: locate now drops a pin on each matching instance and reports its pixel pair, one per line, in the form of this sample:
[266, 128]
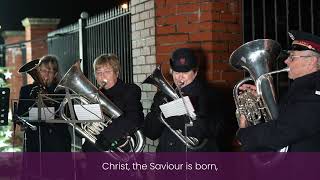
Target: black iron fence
[64, 43]
[109, 32]
[273, 19]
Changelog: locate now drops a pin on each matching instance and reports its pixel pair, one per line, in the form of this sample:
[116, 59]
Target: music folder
[178, 107]
[88, 112]
[47, 113]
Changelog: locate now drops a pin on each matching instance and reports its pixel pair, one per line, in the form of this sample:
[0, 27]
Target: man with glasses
[298, 123]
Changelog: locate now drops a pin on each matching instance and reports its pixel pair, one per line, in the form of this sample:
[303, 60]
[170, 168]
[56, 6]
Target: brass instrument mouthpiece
[103, 84]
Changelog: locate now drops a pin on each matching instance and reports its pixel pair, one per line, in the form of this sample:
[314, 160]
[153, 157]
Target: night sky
[13, 11]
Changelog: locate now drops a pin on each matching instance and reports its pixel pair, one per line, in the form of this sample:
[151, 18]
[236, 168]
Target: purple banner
[156, 166]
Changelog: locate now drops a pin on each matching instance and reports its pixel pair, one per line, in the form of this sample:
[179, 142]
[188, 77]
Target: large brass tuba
[157, 79]
[256, 57]
[75, 81]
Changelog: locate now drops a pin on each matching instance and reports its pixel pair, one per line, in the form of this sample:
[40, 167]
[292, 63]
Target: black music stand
[41, 105]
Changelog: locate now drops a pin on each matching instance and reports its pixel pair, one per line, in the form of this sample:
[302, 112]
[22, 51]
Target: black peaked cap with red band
[183, 60]
[304, 41]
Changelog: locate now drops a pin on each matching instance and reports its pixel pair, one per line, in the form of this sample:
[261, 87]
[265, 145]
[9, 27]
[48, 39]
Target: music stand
[41, 113]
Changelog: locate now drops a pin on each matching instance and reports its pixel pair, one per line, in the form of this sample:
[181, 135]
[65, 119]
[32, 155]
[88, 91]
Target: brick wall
[144, 51]
[211, 28]
[36, 30]
[14, 60]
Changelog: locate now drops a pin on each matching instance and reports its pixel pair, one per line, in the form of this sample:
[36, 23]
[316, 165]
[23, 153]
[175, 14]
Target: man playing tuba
[125, 96]
[297, 125]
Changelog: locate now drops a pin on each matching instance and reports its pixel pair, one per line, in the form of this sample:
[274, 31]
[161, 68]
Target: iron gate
[109, 32]
[272, 19]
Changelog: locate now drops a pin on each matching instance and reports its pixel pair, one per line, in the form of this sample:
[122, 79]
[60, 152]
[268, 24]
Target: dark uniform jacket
[127, 98]
[298, 124]
[55, 137]
[206, 126]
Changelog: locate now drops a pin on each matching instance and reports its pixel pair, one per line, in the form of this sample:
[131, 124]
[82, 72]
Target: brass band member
[297, 125]
[125, 96]
[184, 68]
[54, 137]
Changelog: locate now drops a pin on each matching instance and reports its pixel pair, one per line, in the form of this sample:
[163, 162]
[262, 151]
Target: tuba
[75, 81]
[157, 79]
[256, 58]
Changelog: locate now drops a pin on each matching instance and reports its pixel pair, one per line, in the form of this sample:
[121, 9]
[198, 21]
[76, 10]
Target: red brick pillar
[212, 29]
[14, 60]
[36, 30]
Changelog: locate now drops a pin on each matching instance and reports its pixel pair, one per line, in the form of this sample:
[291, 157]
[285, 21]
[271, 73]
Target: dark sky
[13, 11]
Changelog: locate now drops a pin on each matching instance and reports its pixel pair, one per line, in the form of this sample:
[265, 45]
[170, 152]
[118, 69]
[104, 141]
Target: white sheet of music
[47, 113]
[177, 107]
[88, 112]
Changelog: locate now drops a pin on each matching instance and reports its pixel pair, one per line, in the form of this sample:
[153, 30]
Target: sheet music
[177, 107]
[47, 113]
[88, 112]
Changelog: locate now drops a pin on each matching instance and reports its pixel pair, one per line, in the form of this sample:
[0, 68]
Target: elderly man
[298, 124]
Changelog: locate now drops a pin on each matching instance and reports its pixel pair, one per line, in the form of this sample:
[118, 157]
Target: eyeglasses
[292, 57]
[100, 73]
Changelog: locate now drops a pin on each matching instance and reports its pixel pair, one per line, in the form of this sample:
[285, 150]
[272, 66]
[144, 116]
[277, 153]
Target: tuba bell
[31, 68]
[75, 81]
[157, 79]
[256, 57]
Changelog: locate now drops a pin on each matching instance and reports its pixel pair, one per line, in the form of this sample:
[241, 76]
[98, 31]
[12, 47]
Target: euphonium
[75, 81]
[256, 57]
[158, 80]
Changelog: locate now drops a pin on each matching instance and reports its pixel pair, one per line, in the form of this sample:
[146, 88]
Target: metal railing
[108, 32]
[273, 19]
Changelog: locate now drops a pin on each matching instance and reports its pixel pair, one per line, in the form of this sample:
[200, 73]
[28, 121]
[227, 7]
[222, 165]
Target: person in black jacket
[54, 137]
[297, 125]
[125, 96]
[184, 68]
